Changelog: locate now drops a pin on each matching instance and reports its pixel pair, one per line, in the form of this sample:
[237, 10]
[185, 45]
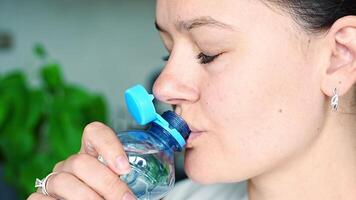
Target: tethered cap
[140, 106]
[177, 122]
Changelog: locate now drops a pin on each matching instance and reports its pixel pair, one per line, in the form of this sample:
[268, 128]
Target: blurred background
[63, 64]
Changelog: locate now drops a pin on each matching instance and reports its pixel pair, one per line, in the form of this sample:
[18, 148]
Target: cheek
[262, 112]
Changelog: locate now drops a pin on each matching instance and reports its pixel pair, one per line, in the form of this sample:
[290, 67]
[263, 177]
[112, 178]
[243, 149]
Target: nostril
[175, 101]
[177, 109]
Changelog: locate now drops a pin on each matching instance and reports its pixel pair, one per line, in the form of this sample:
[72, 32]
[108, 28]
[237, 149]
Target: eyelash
[203, 58]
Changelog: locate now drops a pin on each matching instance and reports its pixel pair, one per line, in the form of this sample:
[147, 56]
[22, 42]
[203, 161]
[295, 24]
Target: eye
[205, 59]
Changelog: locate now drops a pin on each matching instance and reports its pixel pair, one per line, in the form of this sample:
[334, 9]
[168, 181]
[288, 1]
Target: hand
[83, 176]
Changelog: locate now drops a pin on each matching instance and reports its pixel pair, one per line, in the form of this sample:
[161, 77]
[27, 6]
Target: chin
[200, 168]
[199, 177]
[197, 169]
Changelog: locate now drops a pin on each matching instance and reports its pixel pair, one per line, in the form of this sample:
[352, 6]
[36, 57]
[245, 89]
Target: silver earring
[335, 100]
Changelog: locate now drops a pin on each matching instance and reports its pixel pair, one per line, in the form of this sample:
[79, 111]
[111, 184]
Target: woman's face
[246, 80]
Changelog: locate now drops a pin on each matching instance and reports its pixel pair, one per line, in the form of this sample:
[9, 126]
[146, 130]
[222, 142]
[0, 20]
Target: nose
[175, 87]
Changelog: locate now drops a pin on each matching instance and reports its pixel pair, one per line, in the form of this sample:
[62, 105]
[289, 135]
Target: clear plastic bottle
[151, 151]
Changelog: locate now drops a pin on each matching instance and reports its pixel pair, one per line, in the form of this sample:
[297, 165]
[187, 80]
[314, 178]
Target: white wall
[105, 45]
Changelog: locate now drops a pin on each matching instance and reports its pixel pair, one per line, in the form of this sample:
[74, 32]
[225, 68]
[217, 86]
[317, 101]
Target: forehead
[188, 6]
[228, 11]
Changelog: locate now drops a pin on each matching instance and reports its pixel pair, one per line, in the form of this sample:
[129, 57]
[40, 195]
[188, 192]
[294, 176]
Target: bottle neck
[164, 136]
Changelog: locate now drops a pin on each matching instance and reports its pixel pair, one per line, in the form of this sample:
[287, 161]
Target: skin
[261, 108]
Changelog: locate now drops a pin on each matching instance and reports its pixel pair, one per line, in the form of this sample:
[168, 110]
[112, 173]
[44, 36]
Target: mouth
[193, 136]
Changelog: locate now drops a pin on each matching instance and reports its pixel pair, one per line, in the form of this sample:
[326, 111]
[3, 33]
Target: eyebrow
[188, 25]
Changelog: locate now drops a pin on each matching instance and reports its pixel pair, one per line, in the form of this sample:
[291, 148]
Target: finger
[58, 166]
[64, 185]
[99, 139]
[97, 176]
[39, 196]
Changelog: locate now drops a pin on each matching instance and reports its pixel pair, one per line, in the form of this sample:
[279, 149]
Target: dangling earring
[335, 100]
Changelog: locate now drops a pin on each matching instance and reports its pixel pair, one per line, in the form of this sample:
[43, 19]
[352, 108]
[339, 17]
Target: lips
[195, 133]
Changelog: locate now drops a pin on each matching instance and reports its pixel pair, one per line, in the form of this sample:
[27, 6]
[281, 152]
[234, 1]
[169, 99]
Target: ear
[341, 72]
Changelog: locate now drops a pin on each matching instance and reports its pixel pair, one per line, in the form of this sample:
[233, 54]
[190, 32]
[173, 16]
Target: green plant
[41, 125]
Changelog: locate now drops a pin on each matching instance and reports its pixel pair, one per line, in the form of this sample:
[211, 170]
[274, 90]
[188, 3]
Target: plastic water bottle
[151, 152]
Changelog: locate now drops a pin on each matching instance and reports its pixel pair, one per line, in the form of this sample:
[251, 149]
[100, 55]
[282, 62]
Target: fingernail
[128, 196]
[122, 164]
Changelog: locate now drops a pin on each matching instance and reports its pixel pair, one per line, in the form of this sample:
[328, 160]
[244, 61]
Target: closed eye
[203, 58]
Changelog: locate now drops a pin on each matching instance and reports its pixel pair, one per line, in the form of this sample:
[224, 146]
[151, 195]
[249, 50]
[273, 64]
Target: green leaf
[52, 77]
[65, 139]
[17, 143]
[4, 107]
[41, 126]
[76, 97]
[72, 132]
[13, 94]
[55, 130]
[10, 171]
[36, 109]
[39, 51]
[96, 109]
[15, 80]
[14, 91]
[64, 128]
[37, 166]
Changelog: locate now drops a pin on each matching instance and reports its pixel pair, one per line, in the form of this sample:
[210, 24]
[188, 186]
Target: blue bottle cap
[141, 107]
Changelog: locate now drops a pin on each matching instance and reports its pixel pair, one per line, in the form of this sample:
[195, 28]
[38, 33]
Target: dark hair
[316, 16]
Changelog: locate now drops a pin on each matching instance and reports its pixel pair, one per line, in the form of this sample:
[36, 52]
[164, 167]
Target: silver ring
[42, 184]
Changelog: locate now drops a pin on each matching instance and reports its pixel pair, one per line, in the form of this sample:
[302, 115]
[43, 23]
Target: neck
[326, 170]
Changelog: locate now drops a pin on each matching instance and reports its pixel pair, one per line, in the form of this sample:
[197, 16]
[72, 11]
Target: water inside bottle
[150, 177]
